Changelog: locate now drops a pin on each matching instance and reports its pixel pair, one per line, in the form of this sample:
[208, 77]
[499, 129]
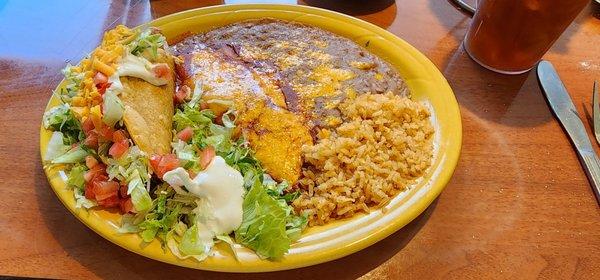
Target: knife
[562, 106]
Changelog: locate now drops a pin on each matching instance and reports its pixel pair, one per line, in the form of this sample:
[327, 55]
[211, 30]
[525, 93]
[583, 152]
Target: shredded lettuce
[197, 94]
[191, 117]
[278, 189]
[112, 108]
[76, 176]
[72, 83]
[56, 146]
[129, 224]
[166, 210]
[196, 241]
[75, 155]
[132, 168]
[263, 225]
[60, 118]
[82, 201]
[227, 119]
[174, 239]
[294, 223]
[147, 42]
[141, 199]
[186, 155]
[158, 223]
[181, 221]
[229, 241]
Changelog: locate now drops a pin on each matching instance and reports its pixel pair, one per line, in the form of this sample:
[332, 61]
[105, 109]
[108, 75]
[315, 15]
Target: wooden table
[518, 206]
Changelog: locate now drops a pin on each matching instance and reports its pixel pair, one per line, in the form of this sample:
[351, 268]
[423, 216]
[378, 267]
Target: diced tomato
[110, 202]
[161, 70]
[219, 119]
[100, 78]
[163, 164]
[89, 191]
[126, 206]
[98, 187]
[123, 191]
[180, 71]
[169, 162]
[182, 94]
[206, 156]
[106, 189]
[203, 105]
[154, 162]
[90, 161]
[102, 88]
[99, 170]
[96, 174]
[101, 82]
[118, 148]
[106, 132]
[119, 135]
[91, 140]
[87, 125]
[186, 134]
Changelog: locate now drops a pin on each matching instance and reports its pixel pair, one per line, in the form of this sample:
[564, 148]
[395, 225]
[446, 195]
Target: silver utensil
[596, 112]
[562, 106]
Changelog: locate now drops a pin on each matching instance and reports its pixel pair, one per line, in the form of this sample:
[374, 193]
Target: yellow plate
[337, 239]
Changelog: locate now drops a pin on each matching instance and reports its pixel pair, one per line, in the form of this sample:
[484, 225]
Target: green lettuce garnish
[196, 95]
[132, 168]
[193, 244]
[191, 117]
[60, 118]
[82, 201]
[178, 219]
[72, 84]
[113, 108]
[75, 155]
[263, 225]
[147, 42]
[55, 147]
[76, 176]
[165, 212]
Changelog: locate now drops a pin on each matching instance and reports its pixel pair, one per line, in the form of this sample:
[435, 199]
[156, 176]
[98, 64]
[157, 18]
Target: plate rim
[451, 154]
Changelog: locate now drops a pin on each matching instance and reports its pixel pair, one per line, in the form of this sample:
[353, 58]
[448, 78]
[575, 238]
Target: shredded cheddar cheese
[104, 60]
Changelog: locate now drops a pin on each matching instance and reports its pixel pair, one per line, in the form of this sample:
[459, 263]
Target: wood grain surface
[518, 207]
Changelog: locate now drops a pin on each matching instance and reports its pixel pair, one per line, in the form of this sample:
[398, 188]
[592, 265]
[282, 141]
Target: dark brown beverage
[510, 36]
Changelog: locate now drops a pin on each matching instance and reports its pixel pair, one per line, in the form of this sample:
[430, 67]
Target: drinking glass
[511, 36]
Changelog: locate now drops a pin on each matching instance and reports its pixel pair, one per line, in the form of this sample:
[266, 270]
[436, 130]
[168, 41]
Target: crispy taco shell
[149, 111]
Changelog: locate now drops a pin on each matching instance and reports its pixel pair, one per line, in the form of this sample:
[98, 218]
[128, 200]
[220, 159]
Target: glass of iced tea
[511, 36]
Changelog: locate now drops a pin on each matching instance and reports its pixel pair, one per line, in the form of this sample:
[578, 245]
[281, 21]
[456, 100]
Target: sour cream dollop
[222, 186]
